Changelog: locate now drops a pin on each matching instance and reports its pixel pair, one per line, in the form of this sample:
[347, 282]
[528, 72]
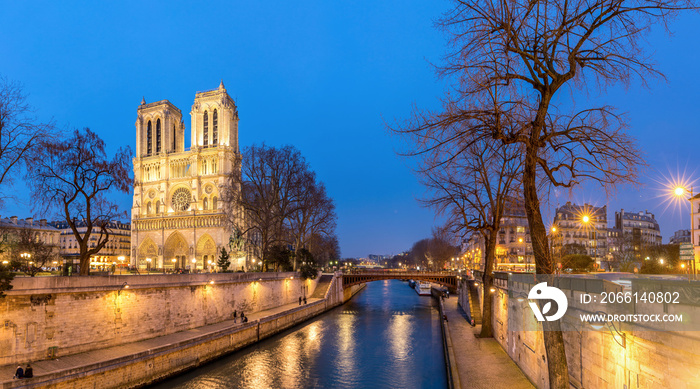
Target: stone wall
[75, 314]
[597, 359]
[143, 368]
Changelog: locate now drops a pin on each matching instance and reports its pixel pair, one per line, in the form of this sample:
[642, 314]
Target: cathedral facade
[178, 219]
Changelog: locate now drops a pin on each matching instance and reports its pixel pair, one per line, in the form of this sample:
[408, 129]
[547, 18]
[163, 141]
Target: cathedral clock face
[181, 199]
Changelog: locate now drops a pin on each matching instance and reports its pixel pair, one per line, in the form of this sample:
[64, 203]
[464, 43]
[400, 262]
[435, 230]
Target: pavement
[481, 363]
[69, 362]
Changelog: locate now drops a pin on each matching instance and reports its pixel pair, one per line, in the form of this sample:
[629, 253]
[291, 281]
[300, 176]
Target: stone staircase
[324, 282]
[474, 306]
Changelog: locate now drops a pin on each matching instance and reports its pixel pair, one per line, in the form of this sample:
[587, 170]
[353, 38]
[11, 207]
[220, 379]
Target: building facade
[177, 216]
[117, 250]
[513, 244]
[580, 225]
[680, 236]
[42, 231]
[639, 230]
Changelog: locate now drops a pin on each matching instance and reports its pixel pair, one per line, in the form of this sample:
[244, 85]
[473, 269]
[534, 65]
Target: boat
[412, 284]
[423, 288]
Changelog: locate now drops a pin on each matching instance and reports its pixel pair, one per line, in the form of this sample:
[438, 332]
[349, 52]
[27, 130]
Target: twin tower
[177, 213]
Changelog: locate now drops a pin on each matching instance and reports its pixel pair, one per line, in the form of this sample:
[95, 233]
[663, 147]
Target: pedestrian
[304, 299]
[299, 300]
[28, 372]
[245, 320]
[234, 316]
[448, 294]
[19, 373]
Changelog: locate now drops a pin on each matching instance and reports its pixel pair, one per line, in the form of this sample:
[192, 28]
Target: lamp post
[680, 191]
[587, 222]
[121, 263]
[148, 266]
[174, 260]
[194, 264]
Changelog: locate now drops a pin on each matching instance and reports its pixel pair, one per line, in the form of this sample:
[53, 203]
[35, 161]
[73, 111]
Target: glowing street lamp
[681, 192]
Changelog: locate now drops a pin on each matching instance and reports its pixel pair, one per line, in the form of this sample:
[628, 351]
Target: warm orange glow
[585, 218]
[679, 191]
[554, 229]
[520, 240]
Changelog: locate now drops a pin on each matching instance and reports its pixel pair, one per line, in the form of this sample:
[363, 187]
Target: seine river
[385, 337]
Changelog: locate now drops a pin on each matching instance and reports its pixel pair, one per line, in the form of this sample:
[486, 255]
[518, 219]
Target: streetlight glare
[679, 191]
[586, 219]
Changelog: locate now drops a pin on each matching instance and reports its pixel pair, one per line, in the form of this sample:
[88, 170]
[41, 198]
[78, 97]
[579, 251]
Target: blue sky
[324, 76]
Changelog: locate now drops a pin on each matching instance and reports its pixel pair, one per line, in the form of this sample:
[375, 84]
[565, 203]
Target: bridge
[361, 276]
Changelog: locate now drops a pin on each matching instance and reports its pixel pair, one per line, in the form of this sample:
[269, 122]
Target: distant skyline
[324, 77]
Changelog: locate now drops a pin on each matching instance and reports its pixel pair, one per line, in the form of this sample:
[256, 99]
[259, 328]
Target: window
[213, 203]
[148, 208]
[149, 144]
[205, 203]
[158, 136]
[158, 206]
[206, 129]
[215, 129]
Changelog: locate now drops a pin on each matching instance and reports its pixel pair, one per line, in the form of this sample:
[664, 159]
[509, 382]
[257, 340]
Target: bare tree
[471, 183]
[269, 180]
[324, 248]
[314, 214]
[532, 50]
[20, 131]
[73, 176]
[441, 247]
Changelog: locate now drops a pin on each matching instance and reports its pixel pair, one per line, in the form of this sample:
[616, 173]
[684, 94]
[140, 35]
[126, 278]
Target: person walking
[234, 316]
[299, 300]
[28, 372]
[304, 299]
[19, 373]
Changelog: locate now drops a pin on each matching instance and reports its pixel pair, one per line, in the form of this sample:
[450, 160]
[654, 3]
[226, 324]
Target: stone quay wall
[598, 359]
[144, 368]
[56, 316]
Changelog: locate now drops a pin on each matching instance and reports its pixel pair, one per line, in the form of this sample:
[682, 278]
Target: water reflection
[385, 337]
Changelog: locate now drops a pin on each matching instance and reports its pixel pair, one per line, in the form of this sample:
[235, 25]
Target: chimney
[13, 219]
[42, 222]
[30, 221]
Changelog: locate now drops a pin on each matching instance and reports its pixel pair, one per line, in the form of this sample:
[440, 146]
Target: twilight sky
[321, 75]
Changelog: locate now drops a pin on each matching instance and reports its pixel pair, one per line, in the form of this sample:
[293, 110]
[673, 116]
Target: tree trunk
[84, 262]
[487, 282]
[551, 331]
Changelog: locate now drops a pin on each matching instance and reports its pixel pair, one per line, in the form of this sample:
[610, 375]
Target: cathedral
[178, 219]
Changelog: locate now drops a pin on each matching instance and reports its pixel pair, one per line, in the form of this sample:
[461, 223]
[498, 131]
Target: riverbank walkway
[481, 363]
[67, 364]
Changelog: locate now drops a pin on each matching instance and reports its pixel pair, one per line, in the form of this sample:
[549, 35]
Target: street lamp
[174, 260]
[680, 192]
[121, 263]
[194, 264]
[148, 265]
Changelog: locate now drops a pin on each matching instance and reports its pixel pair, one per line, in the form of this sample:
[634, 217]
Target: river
[385, 337]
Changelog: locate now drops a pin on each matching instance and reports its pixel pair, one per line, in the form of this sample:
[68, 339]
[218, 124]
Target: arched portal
[176, 248]
[147, 250]
[206, 251]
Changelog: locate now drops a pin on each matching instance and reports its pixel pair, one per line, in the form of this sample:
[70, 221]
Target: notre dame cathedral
[177, 216]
